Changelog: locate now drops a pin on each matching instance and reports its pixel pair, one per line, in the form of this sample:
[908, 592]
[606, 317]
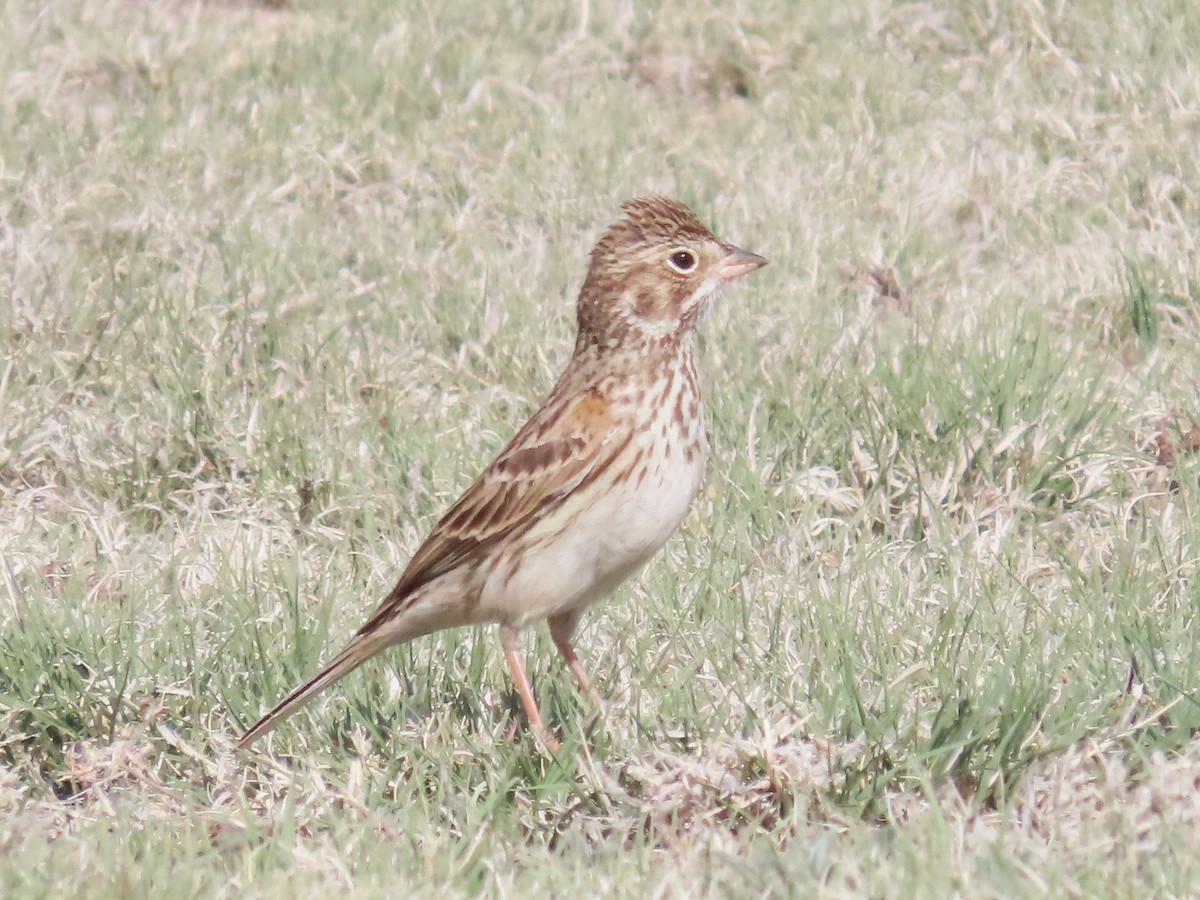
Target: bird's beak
[738, 262]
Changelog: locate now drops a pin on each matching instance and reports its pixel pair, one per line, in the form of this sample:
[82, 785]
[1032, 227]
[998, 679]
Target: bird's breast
[652, 491]
[613, 526]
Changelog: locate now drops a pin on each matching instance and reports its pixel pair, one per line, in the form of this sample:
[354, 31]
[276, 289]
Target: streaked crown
[655, 274]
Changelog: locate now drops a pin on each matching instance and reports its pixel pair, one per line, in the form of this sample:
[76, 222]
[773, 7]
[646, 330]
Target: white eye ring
[682, 261]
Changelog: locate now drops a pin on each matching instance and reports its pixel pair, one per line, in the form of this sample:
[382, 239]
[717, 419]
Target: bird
[593, 485]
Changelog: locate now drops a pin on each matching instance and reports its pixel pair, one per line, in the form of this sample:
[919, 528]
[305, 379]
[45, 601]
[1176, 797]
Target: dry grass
[278, 279]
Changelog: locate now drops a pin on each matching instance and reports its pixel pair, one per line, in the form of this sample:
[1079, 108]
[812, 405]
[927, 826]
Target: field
[277, 280]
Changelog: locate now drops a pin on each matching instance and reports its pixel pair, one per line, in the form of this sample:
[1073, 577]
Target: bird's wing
[570, 441]
[565, 445]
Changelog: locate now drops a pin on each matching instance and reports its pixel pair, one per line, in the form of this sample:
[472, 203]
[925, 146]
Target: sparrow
[593, 484]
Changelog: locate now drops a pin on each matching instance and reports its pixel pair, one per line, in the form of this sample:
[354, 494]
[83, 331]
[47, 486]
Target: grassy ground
[277, 282]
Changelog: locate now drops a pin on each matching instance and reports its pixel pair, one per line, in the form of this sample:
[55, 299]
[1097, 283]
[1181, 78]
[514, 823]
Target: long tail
[362, 648]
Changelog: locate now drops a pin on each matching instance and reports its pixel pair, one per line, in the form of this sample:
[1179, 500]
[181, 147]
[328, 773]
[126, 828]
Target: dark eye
[682, 261]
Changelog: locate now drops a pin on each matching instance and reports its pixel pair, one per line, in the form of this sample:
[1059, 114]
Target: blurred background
[277, 280]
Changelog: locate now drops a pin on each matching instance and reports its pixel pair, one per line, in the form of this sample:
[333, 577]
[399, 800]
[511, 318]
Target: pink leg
[560, 630]
[514, 655]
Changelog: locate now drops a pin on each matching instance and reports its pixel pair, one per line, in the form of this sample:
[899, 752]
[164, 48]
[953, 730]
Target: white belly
[577, 556]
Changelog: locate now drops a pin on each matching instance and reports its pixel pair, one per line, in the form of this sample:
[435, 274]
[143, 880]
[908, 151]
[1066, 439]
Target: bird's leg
[561, 628]
[514, 655]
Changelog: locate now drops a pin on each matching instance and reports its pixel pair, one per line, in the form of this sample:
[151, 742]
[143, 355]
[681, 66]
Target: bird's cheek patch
[650, 305]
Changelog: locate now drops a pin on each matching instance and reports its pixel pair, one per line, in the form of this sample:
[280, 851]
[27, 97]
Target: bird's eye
[682, 261]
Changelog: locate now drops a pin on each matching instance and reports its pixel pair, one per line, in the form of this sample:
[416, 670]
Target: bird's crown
[653, 220]
[653, 276]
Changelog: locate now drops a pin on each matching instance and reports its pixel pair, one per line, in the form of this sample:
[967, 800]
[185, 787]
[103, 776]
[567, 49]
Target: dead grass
[277, 280]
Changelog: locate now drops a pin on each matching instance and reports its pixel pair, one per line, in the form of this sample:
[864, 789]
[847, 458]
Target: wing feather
[548, 458]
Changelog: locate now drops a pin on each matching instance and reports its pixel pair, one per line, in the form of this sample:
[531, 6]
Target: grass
[277, 282]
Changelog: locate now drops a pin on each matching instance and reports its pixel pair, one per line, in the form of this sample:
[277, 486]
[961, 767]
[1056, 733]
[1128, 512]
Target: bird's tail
[362, 648]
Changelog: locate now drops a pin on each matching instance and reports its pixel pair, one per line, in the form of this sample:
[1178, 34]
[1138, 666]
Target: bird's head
[655, 274]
